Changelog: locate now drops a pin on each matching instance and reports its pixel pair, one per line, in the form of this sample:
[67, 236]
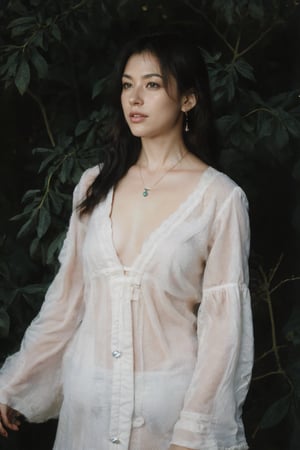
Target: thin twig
[260, 38]
[275, 269]
[272, 320]
[44, 114]
[268, 352]
[256, 110]
[275, 347]
[268, 374]
[212, 25]
[236, 54]
[236, 48]
[287, 280]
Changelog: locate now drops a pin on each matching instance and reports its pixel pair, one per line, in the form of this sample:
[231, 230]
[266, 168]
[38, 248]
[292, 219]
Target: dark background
[55, 57]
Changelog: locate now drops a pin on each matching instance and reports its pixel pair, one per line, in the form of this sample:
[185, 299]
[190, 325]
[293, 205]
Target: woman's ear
[188, 102]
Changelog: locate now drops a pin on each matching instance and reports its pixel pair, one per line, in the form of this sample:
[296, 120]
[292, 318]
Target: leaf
[291, 123]
[34, 246]
[63, 142]
[54, 247]
[248, 125]
[230, 80]
[22, 215]
[276, 412]
[225, 9]
[11, 65]
[256, 9]
[226, 123]
[292, 327]
[98, 87]
[41, 150]
[46, 161]
[33, 289]
[293, 370]
[44, 222]
[265, 125]
[29, 194]
[281, 137]
[4, 323]
[39, 41]
[39, 63]
[244, 69]
[27, 226]
[22, 21]
[22, 79]
[19, 30]
[18, 7]
[30, 208]
[4, 271]
[56, 32]
[56, 202]
[210, 59]
[82, 127]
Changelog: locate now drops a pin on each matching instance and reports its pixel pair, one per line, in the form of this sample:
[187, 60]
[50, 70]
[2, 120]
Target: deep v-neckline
[151, 241]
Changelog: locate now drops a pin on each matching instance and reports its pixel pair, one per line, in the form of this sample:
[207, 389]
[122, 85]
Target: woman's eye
[126, 85]
[153, 85]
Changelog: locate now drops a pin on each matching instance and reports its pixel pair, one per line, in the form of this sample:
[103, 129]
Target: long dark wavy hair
[180, 58]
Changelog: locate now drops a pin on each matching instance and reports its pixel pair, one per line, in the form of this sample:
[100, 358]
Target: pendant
[146, 192]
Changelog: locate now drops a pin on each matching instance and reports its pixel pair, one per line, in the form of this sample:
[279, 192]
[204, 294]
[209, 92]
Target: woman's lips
[137, 117]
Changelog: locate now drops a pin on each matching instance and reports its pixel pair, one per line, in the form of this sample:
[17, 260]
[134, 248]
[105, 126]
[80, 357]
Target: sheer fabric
[120, 354]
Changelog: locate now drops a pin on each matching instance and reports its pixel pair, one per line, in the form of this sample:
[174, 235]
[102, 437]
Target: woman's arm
[26, 376]
[210, 417]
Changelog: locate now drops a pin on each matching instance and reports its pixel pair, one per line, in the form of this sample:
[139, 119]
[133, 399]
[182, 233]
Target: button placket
[126, 289]
[135, 291]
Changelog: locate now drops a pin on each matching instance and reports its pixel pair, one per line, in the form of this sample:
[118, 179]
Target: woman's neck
[157, 154]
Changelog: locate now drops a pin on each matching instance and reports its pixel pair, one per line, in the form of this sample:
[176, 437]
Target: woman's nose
[136, 97]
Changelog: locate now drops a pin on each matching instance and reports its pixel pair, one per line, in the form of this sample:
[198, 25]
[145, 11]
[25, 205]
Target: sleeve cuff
[196, 431]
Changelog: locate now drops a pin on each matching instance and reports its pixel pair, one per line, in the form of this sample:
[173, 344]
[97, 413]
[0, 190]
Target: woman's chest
[177, 246]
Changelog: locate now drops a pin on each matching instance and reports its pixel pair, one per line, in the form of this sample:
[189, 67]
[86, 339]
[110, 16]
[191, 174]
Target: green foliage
[56, 57]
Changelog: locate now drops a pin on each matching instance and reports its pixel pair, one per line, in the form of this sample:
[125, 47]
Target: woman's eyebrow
[148, 75]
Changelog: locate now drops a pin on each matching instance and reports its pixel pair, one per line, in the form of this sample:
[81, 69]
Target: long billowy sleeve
[211, 415]
[30, 380]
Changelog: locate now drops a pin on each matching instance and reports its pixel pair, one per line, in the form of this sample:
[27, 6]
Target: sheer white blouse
[121, 354]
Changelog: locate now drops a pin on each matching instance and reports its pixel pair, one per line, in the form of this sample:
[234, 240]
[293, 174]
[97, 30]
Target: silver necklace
[147, 190]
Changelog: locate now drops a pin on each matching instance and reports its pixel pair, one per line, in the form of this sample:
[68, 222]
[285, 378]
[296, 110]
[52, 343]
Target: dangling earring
[186, 128]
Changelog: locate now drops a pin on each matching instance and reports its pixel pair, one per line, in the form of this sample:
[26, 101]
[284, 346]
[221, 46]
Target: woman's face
[149, 109]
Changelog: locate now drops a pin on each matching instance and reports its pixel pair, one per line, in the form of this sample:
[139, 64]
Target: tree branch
[284, 282]
[212, 25]
[268, 352]
[260, 38]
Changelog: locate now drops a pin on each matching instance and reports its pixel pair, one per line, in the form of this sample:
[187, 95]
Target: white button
[138, 422]
[116, 354]
[115, 440]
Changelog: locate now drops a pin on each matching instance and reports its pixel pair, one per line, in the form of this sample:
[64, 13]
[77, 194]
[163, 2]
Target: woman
[119, 349]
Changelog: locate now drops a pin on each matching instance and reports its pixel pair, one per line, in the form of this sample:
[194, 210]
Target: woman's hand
[8, 419]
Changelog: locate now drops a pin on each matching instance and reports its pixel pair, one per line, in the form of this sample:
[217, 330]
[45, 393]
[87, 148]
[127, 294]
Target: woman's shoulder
[87, 178]
[223, 187]
[90, 174]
